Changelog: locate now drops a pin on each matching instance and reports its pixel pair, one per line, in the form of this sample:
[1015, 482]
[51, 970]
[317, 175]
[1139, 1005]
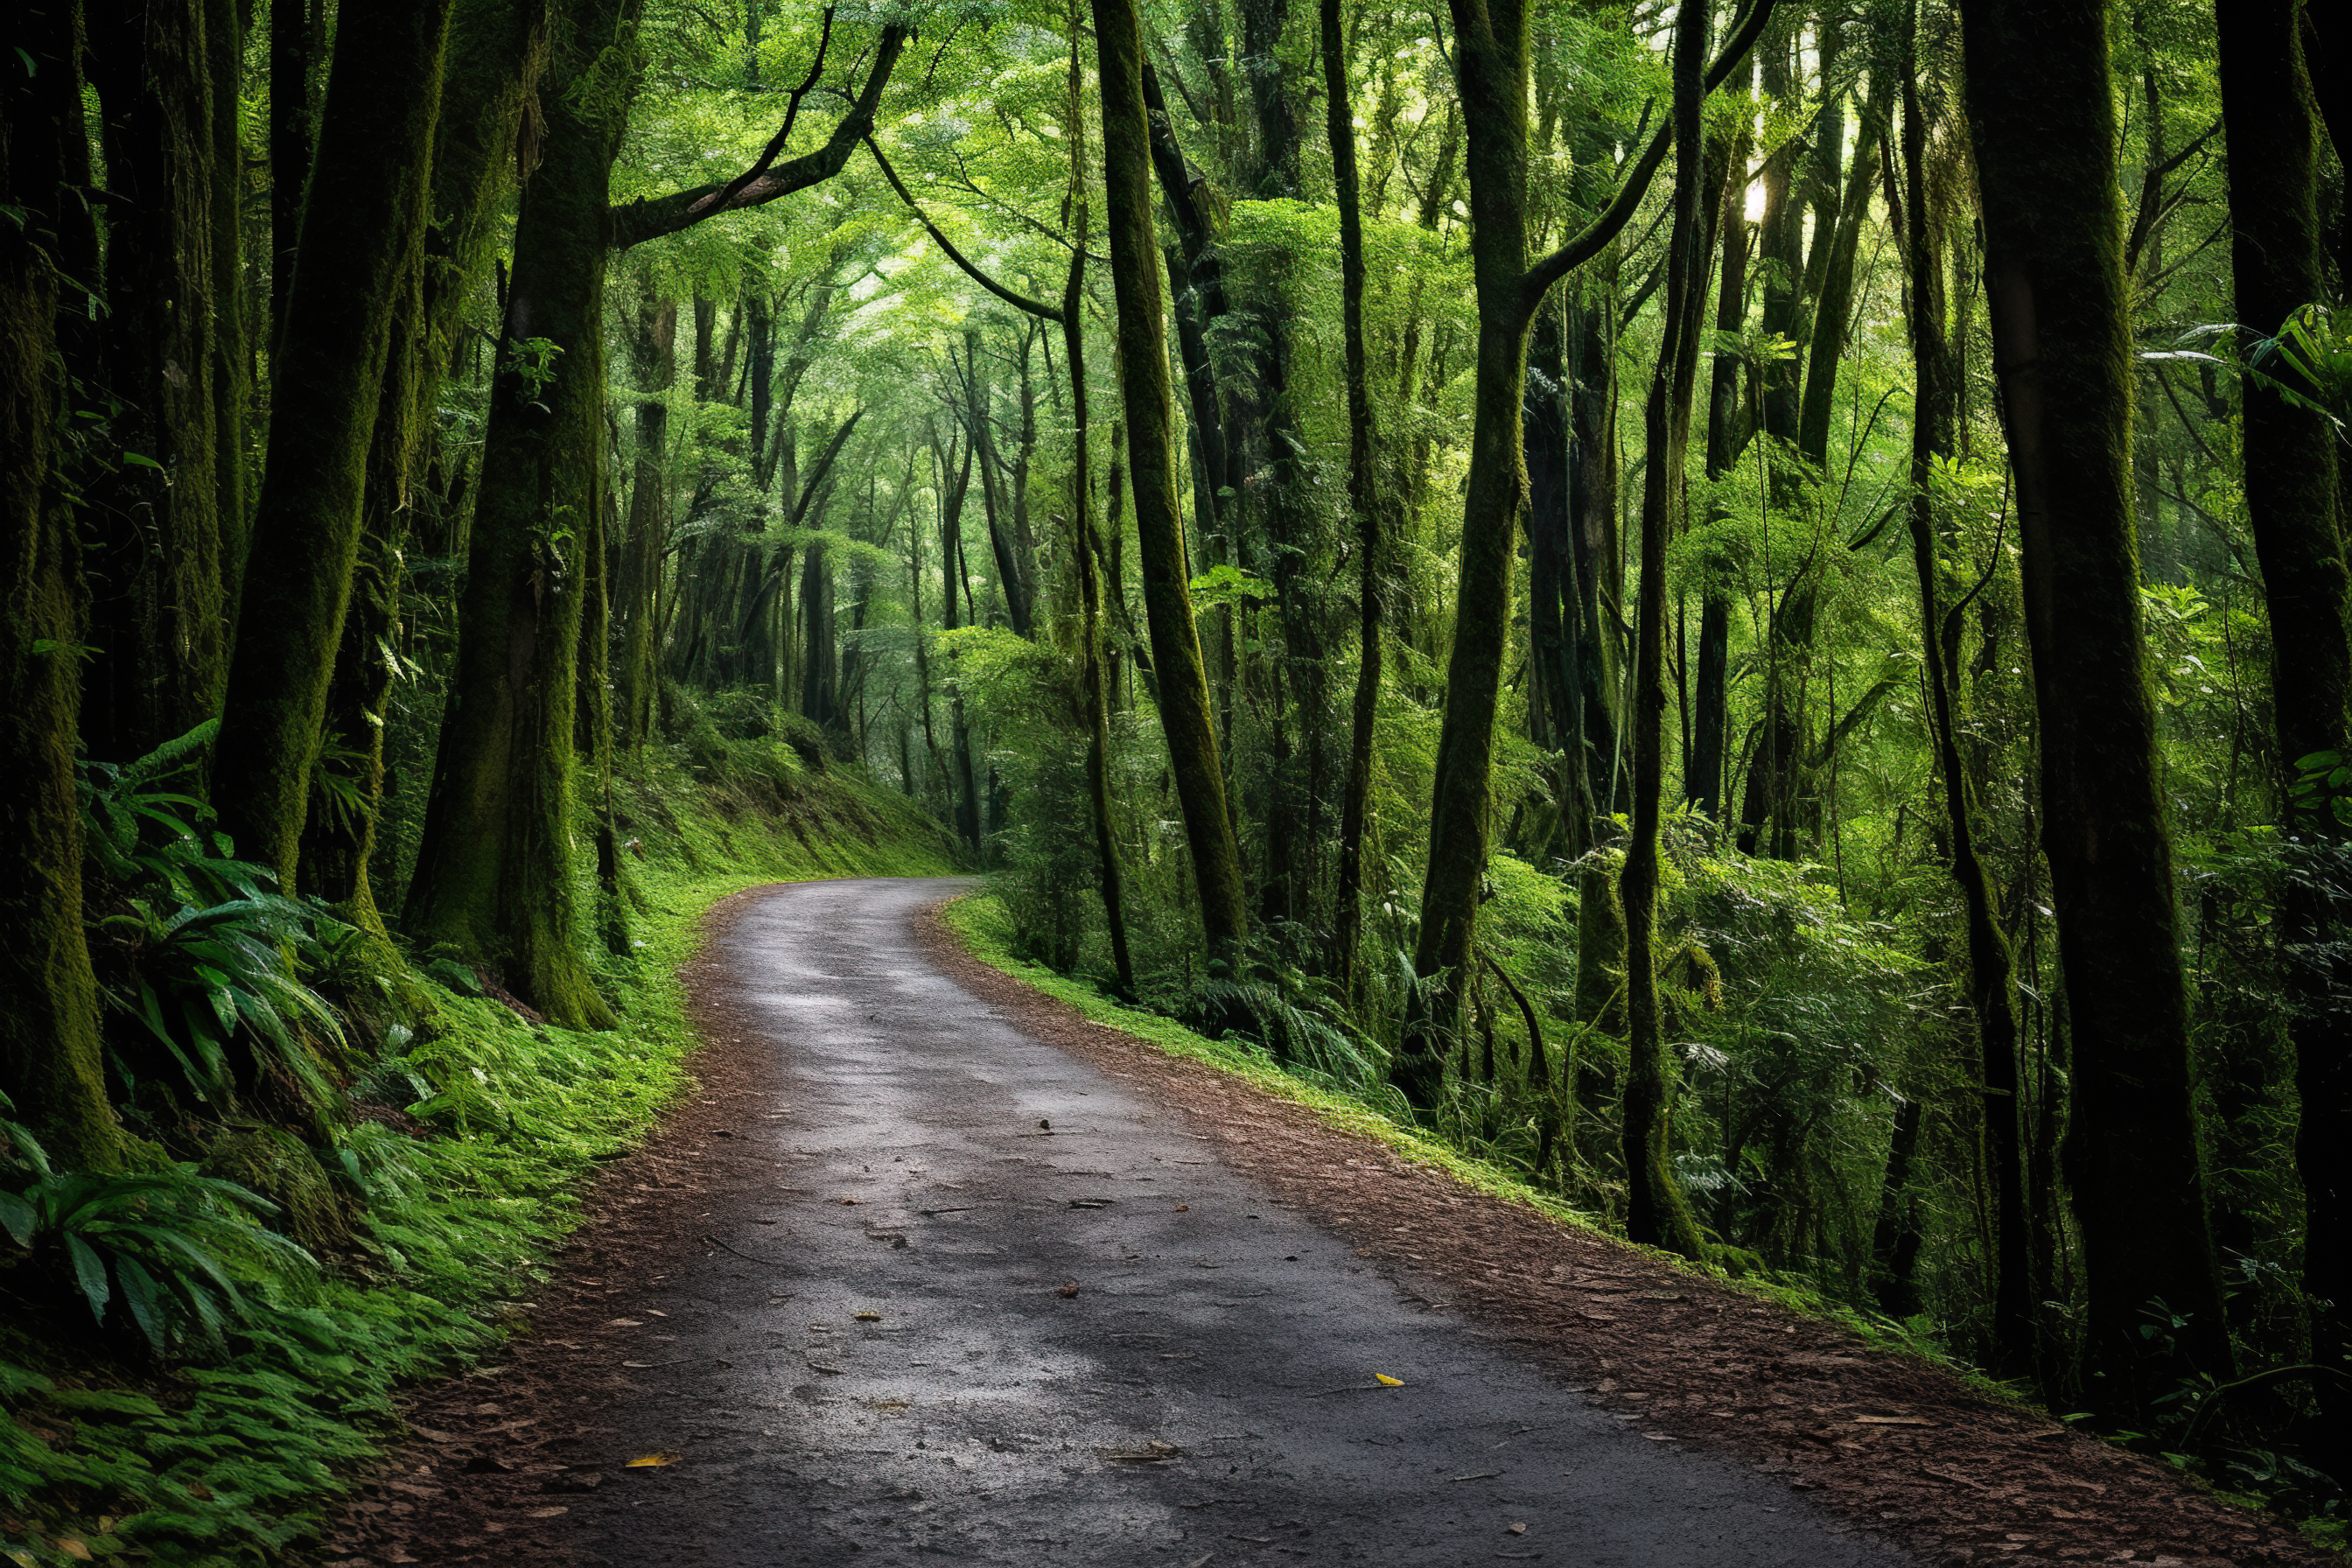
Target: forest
[1740, 609]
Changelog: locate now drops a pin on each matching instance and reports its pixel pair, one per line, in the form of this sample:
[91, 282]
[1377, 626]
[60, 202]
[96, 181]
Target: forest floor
[935, 1270]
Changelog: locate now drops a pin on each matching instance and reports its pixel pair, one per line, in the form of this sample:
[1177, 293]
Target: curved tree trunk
[1182, 679]
[1656, 1211]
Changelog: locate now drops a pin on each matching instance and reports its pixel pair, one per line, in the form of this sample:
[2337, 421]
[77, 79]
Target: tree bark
[2293, 472]
[493, 876]
[2041, 112]
[1182, 679]
[1992, 985]
[362, 232]
[1656, 1213]
[52, 1071]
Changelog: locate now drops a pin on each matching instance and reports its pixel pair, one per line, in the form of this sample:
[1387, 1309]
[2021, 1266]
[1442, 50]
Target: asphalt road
[910, 1377]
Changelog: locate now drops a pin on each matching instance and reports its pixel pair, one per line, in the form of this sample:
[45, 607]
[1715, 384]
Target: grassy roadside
[423, 1224]
[984, 926]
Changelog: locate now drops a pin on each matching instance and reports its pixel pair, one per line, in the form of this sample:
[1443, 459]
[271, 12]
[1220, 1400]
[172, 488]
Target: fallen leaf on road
[868, 1317]
[1183, 1208]
[623, 1324]
[646, 1461]
[1385, 1381]
[1520, 1529]
[550, 1511]
[1894, 1421]
[1479, 1475]
[828, 1371]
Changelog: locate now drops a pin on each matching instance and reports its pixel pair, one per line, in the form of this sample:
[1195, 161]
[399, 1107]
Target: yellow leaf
[645, 1459]
[20, 1556]
[73, 1548]
[1385, 1381]
[869, 1317]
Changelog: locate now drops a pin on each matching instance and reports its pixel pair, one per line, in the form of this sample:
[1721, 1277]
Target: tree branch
[1613, 220]
[767, 180]
[1018, 301]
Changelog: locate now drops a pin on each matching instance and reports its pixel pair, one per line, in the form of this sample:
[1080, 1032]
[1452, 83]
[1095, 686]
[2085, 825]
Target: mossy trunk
[1490, 61]
[1181, 677]
[1992, 986]
[2040, 110]
[653, 333]
[1656, 1213]
[2293, 472]
[1367, 502]
[362, 243]
[489, 66]
[159, 621]
[51, 1069]
[493, 881]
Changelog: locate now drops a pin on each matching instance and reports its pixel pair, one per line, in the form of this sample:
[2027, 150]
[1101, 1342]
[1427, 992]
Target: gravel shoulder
[935, 1269]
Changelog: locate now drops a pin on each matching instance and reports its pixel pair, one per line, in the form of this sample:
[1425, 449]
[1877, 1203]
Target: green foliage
[195, 946]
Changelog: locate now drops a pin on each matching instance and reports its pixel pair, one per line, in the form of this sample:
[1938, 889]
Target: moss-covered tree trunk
[1181, 678]
[1368, 503]
[1992, 985]
[1656, 1211]
[2040, 111]
[489, 68]
[1490, 60]
[653, 332]
[1491, 74]
[50, 1066]
[493, 881]
[162, 565]
[2293, 474]
[362, 245]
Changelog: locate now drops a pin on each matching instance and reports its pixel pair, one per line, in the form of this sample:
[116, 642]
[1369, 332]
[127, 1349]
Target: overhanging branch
[767, 180]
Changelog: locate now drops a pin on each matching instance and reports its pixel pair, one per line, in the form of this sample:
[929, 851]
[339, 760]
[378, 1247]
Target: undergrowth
[987, 932]
[189, 1369]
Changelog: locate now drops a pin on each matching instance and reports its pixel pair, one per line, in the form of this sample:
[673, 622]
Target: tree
[2294, 501]
[2042, 117]
[1180, 677]
[1490, 63]
[363, 239]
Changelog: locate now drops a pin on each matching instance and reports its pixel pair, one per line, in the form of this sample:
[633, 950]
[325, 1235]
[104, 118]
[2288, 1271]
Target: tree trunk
[52, 1071]
[2292, 478]
[1656, 1214]
[362, 235]
[493, 872]
[2042, 114]
[159, 623]
[1181, 677]
[1366, 500]
[1992, 986]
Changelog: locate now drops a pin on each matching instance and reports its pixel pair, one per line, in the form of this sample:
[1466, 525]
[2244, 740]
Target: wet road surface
[1002, 1307]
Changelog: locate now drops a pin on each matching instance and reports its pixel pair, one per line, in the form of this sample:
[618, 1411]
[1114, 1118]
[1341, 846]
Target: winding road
[979, 1301]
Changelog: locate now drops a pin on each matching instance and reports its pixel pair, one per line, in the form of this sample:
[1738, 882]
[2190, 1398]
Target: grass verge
[425, 1218]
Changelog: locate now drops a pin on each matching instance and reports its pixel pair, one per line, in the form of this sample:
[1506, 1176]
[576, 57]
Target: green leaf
[90, 1272]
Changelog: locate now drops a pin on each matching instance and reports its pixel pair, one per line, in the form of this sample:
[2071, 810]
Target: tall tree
[1655, 1210]
[362, 242]
[1491, 73]
[51, 1072]
[493, 878]
[2040, 111]
[1181, 678]
[2292, 477]
[1992, 985]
